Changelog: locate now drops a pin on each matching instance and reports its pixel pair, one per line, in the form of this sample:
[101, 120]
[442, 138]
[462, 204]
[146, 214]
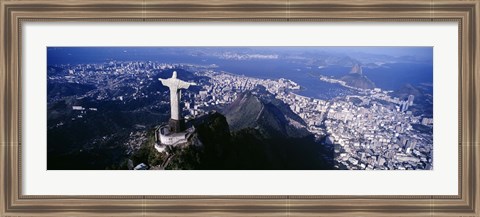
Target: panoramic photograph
[240, 108]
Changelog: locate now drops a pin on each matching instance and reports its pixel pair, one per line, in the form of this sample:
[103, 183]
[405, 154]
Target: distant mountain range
[320, 55]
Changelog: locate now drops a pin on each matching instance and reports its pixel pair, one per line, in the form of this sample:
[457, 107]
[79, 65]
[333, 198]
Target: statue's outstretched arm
[166, 82]
[184, 85]
[162, 80]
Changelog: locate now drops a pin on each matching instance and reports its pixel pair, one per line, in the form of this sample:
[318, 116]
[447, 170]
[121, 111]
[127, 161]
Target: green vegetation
[147, 153]
[214, 147]
[188, 158]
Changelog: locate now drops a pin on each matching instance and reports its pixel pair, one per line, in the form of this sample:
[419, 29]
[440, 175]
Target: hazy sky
[73, 54]
[390, 51]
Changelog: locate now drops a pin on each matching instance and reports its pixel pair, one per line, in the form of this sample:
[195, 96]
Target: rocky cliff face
[260, 110]
[263, 137]
[357, 79]
[356, 69]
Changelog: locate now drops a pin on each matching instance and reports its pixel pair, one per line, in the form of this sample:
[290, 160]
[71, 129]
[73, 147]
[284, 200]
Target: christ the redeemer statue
[176, 122]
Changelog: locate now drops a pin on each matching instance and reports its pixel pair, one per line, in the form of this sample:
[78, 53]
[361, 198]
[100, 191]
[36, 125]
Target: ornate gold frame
[14, 12]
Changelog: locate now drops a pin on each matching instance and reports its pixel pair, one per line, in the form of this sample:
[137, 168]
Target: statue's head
[174, 74]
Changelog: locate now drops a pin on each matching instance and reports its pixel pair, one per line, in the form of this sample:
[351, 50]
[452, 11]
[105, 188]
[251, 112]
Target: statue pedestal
[176, 126]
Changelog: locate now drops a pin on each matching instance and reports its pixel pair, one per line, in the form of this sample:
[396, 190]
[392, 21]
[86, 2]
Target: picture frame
[15, 13]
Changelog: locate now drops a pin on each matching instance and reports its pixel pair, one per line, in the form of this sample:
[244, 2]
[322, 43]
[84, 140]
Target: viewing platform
[164, 137]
